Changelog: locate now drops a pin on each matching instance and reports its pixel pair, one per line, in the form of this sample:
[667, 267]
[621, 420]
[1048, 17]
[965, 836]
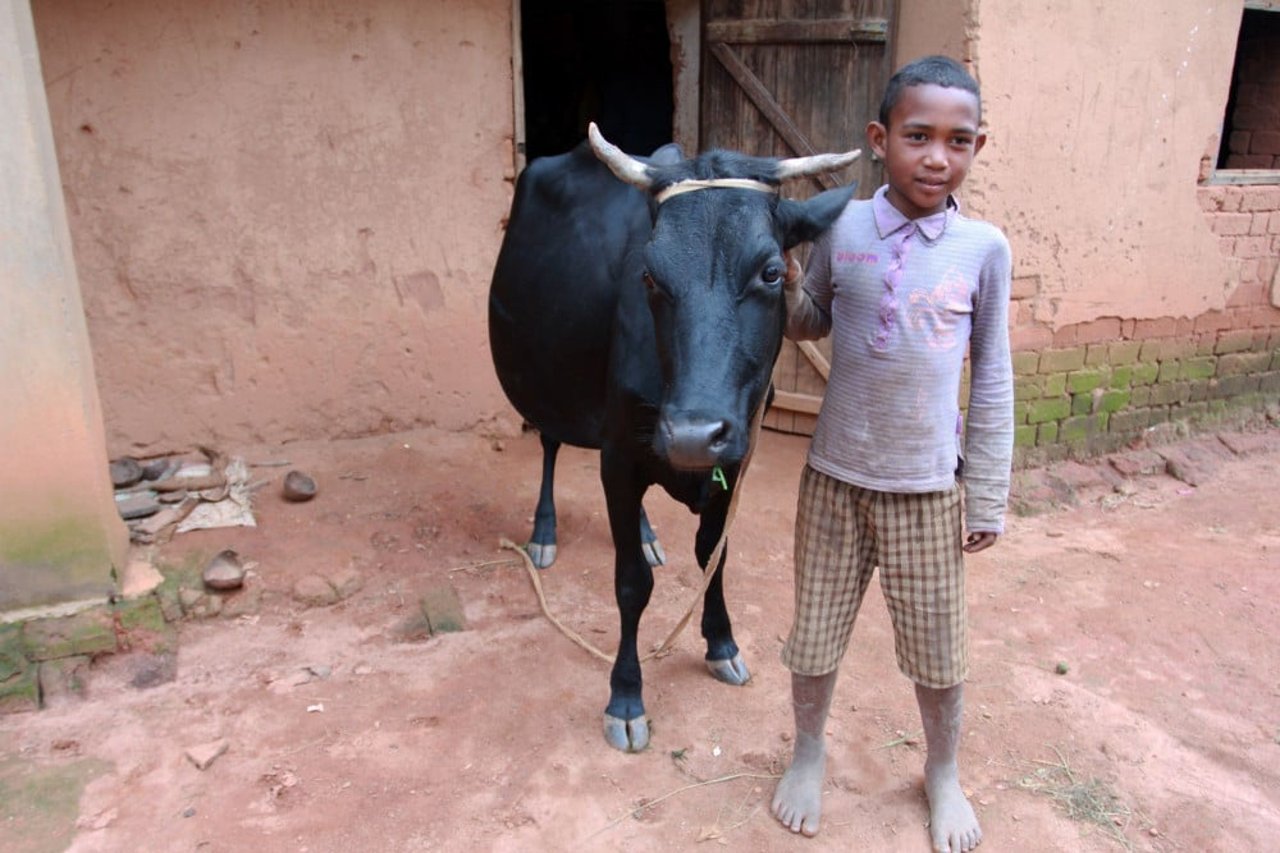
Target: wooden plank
[1245, 176]
[797, 402]
[816, 358]
[759, 95]
[519, 136]
[833, 31]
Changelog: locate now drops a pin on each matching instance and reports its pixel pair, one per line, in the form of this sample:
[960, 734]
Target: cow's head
[713, 270]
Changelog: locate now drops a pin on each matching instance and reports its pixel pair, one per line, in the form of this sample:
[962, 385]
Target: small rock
[137, 505]
[159, 469]
[225, 571]
[298, 487]
[125, 472]
[1062, 668]
[99, 821]
[189, 811]
[345, 582]
[151, 669]
[206, 753]
[314, 591]
[140, 577]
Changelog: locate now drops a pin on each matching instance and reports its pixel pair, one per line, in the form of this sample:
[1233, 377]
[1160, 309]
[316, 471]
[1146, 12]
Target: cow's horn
[803, 167]
[628, 169]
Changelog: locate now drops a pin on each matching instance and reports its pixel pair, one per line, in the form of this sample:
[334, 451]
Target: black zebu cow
[647, 324]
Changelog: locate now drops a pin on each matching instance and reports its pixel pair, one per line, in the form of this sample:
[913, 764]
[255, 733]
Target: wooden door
[789, 78]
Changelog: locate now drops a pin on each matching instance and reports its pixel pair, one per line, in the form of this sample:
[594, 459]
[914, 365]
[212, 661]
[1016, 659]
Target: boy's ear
[979, 141]
[877, 133]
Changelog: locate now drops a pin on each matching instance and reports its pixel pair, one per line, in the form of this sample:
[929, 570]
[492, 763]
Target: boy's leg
[797, 802]
[952, 823]
[833, 561]
[922, 575]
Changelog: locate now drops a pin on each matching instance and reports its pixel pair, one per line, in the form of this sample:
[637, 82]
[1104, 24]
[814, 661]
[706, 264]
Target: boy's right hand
[791, 283]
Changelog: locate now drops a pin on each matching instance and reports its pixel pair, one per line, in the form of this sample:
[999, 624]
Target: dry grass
[1086, 799]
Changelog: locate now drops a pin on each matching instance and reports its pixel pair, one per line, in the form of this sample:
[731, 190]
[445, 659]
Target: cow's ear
[803, 221]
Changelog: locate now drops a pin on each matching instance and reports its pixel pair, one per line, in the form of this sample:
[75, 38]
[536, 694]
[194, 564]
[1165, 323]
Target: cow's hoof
[654, 554]
[626, 735]
[541, 555]
[732, 671]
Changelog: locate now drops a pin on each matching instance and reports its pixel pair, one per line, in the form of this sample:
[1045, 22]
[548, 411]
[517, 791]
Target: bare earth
[1161, 605]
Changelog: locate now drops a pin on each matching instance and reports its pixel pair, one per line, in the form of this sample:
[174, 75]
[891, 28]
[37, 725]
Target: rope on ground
[713, 565]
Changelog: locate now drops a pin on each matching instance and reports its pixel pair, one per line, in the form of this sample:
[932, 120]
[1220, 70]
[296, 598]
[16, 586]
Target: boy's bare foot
[952, 823]
[797, 802]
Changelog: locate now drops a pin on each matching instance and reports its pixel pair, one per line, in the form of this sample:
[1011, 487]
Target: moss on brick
[1140, 396]
[1024, 436]
[1082, 381]
[1202, 367]
[20, 692]
[1236, 340]
[1056, 360]
[13, 654]
[1082, 404]
[1235, 386]
[1114, 400]
[1150, 351]
[1096, 354]
[1169, 371]
[1199, 390]
[1130, 421]
[1040, 411]
[1027, 388]
[1239, 364]
[1047, 433]
[1121, 377]
[1145, 373]
[1124, 352]
[1025, 363]
[91, 632]
[1170, 392]
[141, 614]
[1055, 385]
[1077, 429]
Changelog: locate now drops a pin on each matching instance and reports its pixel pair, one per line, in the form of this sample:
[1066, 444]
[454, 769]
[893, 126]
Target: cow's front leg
[542, 544]
[625, 725]
[724, 659]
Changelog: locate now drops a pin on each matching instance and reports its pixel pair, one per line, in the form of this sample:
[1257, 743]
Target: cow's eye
[772, 274]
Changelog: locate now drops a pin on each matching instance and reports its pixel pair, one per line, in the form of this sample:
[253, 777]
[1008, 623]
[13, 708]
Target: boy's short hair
[936, 70]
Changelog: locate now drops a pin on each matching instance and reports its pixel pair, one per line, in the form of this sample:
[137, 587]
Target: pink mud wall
[284, 214]
[1099, 115]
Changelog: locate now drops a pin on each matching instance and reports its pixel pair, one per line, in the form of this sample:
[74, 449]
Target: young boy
[904, 283]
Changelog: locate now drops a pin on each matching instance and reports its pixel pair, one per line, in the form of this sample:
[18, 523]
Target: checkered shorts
[842, 533]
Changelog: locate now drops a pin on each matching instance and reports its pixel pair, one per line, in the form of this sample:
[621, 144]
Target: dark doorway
[606, 61]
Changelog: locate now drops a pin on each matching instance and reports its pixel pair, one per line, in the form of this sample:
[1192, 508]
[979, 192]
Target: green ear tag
[717, 476]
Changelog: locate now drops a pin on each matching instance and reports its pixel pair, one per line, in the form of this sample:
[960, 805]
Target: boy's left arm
[989, 423]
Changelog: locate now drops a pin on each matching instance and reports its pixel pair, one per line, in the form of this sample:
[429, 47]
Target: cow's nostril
[719, 436]
[695, 444]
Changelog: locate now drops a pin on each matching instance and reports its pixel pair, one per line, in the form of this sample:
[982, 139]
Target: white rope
[691, 185]
[713, 565]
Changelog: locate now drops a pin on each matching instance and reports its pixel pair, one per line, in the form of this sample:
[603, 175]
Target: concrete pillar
[60, 535]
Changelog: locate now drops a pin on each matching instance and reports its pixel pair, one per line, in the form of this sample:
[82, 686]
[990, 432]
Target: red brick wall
[1093, 387]
[1254, 123]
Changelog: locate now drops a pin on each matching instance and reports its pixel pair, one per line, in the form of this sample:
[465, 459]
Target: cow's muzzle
[693, 443]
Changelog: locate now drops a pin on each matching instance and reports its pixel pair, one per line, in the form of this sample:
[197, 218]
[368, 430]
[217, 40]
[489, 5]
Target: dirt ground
[1126, 670]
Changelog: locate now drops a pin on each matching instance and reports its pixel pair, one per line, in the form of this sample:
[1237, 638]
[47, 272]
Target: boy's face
[928, 146]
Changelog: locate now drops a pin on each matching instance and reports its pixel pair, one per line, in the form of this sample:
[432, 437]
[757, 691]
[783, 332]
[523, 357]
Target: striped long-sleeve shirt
[903, 300]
